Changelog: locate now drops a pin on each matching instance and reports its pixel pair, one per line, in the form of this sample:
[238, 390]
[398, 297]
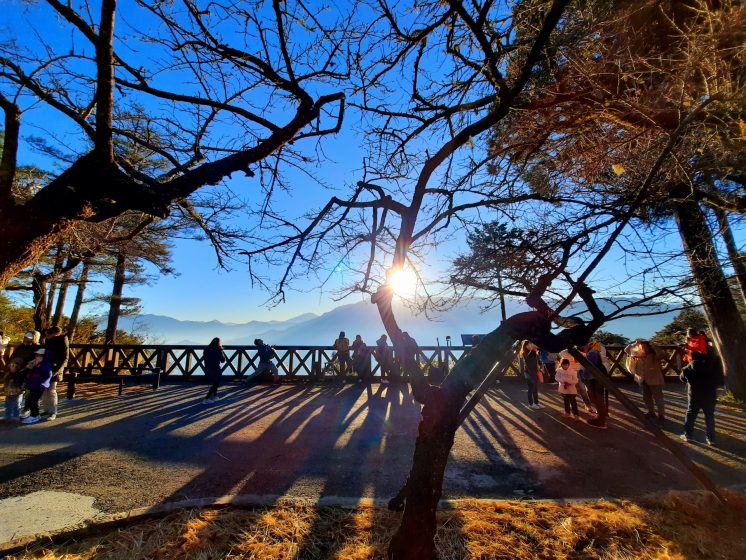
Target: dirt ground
[335, 440]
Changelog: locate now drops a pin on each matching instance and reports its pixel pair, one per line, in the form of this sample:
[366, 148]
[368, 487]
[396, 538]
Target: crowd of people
[701, 372]
[33, 369]
[31, 373]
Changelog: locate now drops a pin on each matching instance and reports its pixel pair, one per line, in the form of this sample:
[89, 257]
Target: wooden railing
[181, 361]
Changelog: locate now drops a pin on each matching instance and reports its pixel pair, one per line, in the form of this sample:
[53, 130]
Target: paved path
[309, 441]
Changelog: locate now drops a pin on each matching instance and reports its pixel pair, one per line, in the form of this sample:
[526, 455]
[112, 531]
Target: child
[568, 381]
[13, 383]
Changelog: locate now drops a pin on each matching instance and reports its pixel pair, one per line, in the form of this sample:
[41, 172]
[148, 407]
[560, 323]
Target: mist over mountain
[357, 318]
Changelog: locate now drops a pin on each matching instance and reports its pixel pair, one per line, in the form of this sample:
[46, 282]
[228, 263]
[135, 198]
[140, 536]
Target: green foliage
[609, 338]
[688, 318]
[16, 320]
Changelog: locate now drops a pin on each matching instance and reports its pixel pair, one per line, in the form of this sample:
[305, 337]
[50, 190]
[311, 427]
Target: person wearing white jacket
[568, 383]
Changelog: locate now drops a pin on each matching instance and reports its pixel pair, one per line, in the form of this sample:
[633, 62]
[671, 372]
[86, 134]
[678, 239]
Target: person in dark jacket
[38, 374]
[529, 354]
[266, 354]
[702, 380]
[213, 356]
[58, 352]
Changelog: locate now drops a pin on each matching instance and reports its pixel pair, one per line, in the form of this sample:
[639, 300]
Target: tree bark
[440, 420]
[726, 324]
[736, 258]
[115, 305]
[61, 297]
[39, 291]
[72, 324]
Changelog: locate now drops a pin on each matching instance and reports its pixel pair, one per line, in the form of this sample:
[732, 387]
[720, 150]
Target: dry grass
[676, 526]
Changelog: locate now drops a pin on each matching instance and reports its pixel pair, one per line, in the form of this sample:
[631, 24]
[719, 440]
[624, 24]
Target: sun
[403, 281]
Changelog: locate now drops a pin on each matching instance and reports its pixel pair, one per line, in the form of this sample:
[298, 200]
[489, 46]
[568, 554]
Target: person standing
[549, 364]
[649, 375]
[342, 348]
[26, 352]
[38, 374]
[567, 384]
[58, 353]
[266, 354]
[581, 387]
[702, 383]
[361, 358]
[213, 356]
[383, 356]
[13, 388]
[4, 342]
[529, 354]
[596, 391]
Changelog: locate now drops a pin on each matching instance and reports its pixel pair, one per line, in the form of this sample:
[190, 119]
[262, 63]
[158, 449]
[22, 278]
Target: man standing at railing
[266, 354]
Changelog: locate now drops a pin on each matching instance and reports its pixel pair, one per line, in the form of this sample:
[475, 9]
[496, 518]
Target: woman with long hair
[529, 354]
[213, 356]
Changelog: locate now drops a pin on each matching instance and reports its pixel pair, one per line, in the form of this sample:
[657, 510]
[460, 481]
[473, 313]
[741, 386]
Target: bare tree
[210, 92]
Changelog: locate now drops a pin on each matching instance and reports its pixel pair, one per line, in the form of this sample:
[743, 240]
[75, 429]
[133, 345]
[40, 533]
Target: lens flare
[403, 281]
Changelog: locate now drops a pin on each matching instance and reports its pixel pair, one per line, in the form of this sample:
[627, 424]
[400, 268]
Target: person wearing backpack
[596, 392]
[342, 347]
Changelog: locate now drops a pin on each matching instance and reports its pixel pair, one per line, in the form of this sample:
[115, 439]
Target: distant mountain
[358, 318]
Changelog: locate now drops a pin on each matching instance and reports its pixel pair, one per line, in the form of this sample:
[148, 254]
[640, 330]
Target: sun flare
[403, 281]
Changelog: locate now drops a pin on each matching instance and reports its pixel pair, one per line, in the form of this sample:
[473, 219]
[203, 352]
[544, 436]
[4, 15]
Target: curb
[103, 523]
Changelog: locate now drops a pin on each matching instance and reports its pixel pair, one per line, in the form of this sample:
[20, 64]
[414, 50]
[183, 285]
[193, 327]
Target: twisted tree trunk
[440, 419]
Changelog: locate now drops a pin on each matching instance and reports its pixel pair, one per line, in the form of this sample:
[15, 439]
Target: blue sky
[201, 291]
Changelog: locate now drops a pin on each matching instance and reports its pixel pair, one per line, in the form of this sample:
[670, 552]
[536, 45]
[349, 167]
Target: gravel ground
[146, 447]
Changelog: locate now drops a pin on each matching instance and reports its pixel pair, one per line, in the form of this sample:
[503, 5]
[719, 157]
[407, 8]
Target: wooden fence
[181, 362]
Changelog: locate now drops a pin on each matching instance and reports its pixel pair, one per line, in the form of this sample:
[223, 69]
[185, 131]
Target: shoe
[567, 415]
[596, 423]
[538, 406]
[685, 438]
[533, 406]
[30, 420]
[577, 417]
[710, 442]
[24, 415]
[52, 417]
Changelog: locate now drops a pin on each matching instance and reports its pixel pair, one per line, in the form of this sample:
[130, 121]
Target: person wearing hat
[26, 350]
[38, 374]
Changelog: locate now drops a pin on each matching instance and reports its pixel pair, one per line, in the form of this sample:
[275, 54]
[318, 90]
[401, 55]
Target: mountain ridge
[362, 318]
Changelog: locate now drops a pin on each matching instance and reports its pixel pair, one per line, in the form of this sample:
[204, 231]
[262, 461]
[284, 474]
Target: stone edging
[103, 523]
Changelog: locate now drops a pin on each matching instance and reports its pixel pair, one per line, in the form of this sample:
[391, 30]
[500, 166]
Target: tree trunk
[54, 276]
[115, 305]
[440, 420]
[726, 324]
[61, 297]
[39, 290]
[737, 260]
[72, 324]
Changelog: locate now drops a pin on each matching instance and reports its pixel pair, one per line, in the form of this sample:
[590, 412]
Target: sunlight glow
[403, 281]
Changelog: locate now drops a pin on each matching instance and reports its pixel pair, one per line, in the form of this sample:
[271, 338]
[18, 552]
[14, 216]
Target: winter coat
[646, 369]
[569, 378]
[531, 365]
[59, 352]
[25, 353]
[702, 379]
[213, 356]
[39, 376]
[265, 353]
